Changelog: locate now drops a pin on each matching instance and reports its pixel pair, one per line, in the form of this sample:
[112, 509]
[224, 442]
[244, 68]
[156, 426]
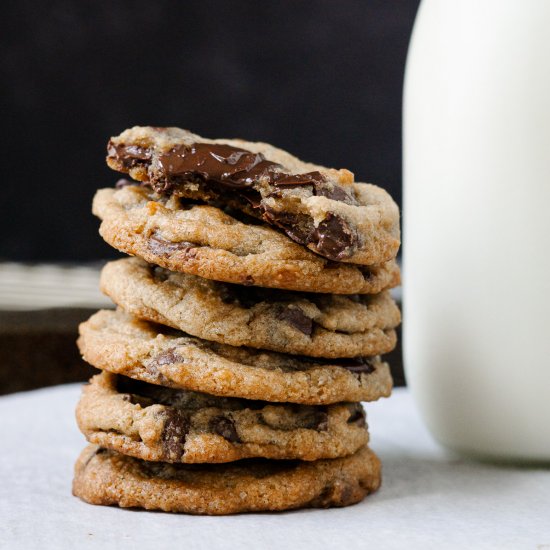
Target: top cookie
[318, 207]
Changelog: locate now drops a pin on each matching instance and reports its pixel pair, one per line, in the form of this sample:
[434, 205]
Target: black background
[322, 79]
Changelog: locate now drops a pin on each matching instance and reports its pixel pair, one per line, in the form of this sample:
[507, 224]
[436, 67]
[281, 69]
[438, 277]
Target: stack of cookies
[250, 323]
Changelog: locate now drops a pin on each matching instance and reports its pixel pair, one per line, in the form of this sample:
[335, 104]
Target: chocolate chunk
[174, 433]
[294, 225]
[296, 317]
[225, 427]
[128, 155]
[237, 294]
[357, 416]
[162, 247]
[222, 164]
[357, 365]
[333, 192]
[291, 180]
[168, 357]
[333, 238]
[366, 272]
[317, 421]
[212, 162]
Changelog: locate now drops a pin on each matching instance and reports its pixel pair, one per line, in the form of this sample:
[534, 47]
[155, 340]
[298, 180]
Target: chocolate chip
[223, 164]
[163, 248]
[346, 493]
[316, 421]
[225, 427]
[333, 192]
[296, 317]
[366, 272]
[168, 357]
[357, 365]
[291, 180]
[357, 416]
[333, 238]
[294, 225]
[128, 155]
[174, 433]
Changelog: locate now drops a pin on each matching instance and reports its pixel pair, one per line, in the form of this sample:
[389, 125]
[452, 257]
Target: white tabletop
[428, 499]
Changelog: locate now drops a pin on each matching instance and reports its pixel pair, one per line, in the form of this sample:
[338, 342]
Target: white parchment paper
[429, 499]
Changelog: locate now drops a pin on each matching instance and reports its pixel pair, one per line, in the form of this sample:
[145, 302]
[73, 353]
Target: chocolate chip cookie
[116, 342]
[163, 424]
[316, 325]
[320, 208]
[206, 241]
[105, 477]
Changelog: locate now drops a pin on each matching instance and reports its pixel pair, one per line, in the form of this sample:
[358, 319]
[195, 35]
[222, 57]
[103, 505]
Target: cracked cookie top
[320, 208]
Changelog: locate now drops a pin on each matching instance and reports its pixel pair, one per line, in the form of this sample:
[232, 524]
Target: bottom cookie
[108, 478]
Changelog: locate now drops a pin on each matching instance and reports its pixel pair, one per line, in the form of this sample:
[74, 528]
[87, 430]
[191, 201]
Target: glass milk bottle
[477, 225]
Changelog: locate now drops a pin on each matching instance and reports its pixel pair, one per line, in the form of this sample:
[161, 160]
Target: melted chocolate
[294, 225]
[239, 169]
[228, 166]
[128, 155]
[333, 238]
[309, 178]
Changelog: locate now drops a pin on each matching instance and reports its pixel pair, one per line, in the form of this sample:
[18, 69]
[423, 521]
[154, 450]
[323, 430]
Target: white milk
[477, 225]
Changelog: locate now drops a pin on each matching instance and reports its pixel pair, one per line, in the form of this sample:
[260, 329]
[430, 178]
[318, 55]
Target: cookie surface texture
[316, 325]
[108, 478]
[119, 343]
[162, 424]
